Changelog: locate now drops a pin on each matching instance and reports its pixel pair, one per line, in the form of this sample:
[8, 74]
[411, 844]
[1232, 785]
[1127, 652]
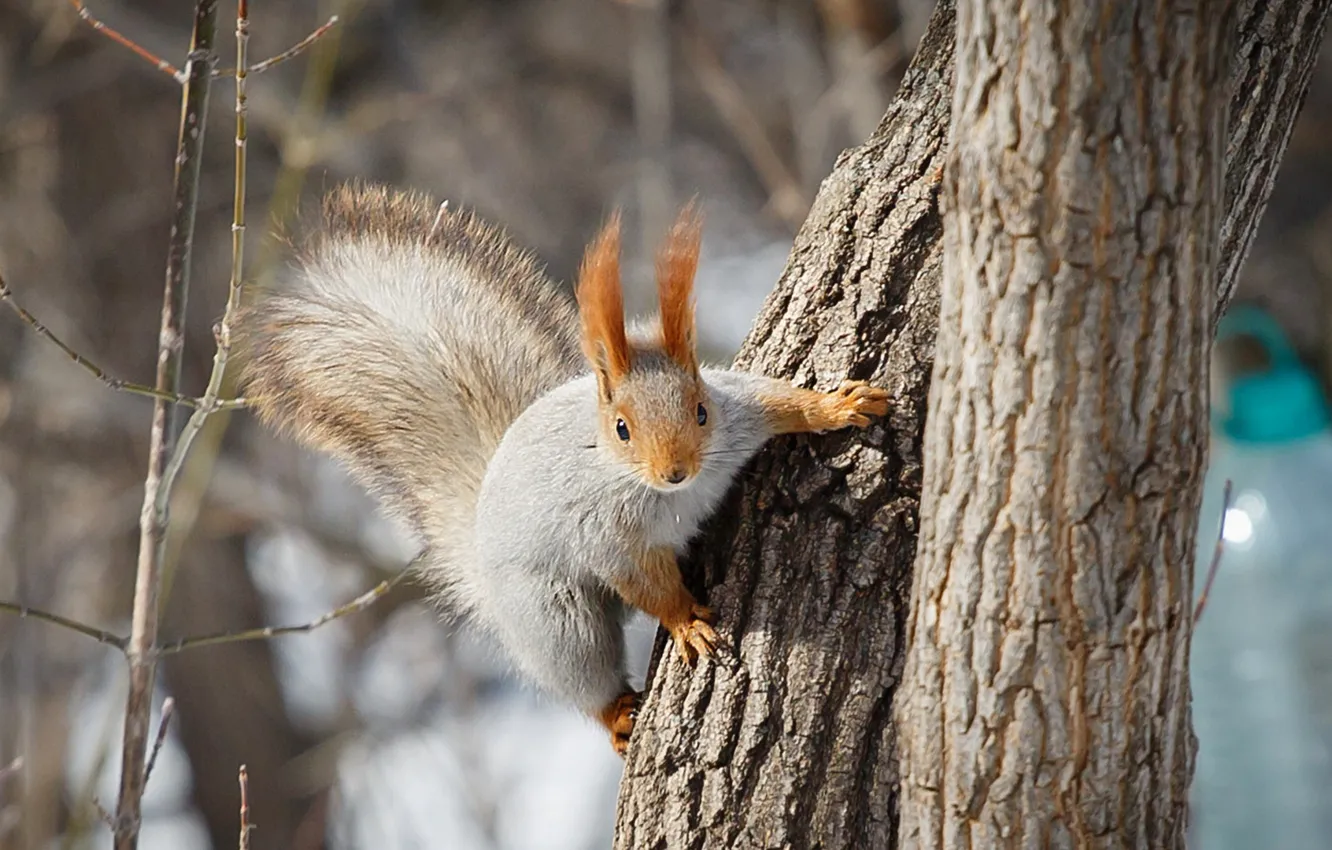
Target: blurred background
[386, 729]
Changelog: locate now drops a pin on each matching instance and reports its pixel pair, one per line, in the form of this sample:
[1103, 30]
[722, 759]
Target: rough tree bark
[789, 741]
[1046, 696]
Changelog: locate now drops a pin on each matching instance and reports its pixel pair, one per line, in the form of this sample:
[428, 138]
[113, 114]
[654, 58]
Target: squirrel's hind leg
[568, 640]
[619, 716]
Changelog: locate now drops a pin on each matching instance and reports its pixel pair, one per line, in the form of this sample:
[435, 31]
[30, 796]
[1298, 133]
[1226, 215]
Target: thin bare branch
[142, 644]
[245, 826]
[7, 296]
[168, 709]
[360, 603]
[222, 330]
[1216, 557]
[134, 47]
[102, 814]
[99, 635]
[297, 156]
[291, 52]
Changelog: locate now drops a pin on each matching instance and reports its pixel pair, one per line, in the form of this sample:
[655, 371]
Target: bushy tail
[404, 342]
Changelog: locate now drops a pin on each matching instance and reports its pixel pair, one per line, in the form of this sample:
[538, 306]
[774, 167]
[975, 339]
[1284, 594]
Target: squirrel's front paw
[694, 635]
[619, 718]
[854, 402]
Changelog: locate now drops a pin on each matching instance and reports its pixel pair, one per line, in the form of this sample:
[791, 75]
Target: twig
[291, 52]
[7, 296]
[360, 603]
[1216, 557]
[88, 783]
[102, 814]
[222, 330]
[134, 47]
[168, 709]
[245, 825]
[99, 635]
[297, 147]
[152, 524]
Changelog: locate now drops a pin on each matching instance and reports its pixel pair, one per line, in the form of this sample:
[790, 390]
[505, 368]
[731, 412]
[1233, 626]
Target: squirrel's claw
[695, 636]
[854, 402]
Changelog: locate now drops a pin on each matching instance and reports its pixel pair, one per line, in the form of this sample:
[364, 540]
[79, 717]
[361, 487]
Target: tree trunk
[1046, 694]
[788, 741]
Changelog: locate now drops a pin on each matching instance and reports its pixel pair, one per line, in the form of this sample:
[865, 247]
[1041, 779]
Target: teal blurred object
[1261, 663]
[1281, 404]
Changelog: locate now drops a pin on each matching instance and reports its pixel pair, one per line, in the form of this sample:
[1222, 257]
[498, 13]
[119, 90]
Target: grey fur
[548, 548]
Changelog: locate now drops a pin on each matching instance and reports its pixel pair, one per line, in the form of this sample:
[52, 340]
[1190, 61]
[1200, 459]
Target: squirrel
[554, 460]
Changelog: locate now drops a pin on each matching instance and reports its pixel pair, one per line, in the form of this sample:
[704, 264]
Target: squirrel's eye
[702, 415]
[622, 430]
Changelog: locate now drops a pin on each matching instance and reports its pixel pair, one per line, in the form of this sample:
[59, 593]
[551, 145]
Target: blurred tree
[792, 743]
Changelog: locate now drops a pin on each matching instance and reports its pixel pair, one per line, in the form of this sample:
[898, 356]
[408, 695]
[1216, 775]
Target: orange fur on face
[676, 263]
[671, 456]
[681, 443]
[665, 438]
[601, 306]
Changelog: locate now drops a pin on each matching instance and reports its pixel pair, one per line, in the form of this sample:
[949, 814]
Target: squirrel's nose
[675, 476]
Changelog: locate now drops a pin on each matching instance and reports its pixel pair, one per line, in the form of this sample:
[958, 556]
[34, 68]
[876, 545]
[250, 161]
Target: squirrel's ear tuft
[676, 264]
[601, 306]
